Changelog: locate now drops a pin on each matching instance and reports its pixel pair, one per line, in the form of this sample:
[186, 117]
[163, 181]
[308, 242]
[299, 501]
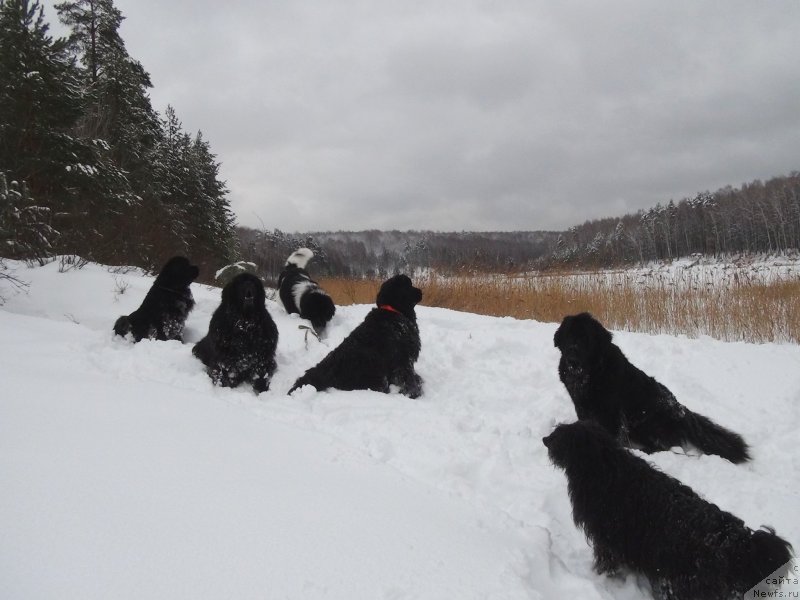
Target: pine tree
[190, 213]
[41, 102]
[211, 220]
[119, 111]
[25, 230]
[119, 108]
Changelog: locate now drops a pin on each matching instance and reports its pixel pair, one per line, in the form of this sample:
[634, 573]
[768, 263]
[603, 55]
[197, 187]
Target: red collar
[389, 308]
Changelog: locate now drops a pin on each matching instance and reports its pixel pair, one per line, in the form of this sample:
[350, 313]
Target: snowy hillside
[126, 474]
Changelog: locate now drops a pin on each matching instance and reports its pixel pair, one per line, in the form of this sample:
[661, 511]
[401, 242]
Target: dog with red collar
[380, 352]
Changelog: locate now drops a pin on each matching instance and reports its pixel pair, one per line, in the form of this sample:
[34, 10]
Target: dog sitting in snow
[302, 295]
[163, 313]
[242, 337]
[632, 406]
[641, 519]
[378, 353]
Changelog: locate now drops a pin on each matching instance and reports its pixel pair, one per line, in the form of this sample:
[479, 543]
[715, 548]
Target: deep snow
[125, 474]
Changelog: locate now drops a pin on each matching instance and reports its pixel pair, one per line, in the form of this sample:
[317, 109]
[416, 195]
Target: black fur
[302, 295]
[641, 519]
[378, 353]
[162, 315]
[631, 405]
[242, 337]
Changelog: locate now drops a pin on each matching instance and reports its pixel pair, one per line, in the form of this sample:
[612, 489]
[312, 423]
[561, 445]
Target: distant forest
[759, 217]
[382, 253]
[89, 168]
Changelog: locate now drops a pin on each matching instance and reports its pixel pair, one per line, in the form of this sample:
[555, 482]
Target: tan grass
[739, 308]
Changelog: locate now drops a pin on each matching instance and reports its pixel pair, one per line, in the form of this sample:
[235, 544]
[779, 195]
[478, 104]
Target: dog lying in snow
[632, 406]
[378, 353]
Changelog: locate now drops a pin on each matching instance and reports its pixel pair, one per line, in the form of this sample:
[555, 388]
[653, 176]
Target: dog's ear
[603, 335]
[416, 295]
[591, 326]
[228, 291]
[558, 338]
[393, 290]
[557, 444]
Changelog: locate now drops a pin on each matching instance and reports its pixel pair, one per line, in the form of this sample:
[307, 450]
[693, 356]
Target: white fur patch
[300, 257]
[299, 289]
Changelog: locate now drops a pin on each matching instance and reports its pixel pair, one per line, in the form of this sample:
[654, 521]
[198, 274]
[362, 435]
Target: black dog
[164, 309]
[242, 337]
[631, 405]
[301, 294]
[639, 518]
[381, 351]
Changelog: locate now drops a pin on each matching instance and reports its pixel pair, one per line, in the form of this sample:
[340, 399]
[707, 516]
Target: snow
[126, 474]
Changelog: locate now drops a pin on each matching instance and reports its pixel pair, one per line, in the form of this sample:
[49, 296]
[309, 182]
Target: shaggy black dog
[639, 518]
[631, 405]
[164, 309]
[381, 351]
[301, 294]
[242, 337]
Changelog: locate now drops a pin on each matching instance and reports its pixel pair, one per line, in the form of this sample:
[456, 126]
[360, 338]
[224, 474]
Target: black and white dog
[302, 295]
[640, 519]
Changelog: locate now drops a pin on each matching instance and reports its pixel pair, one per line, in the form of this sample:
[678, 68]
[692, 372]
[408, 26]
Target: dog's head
[177, 273]
[581, 339]
[244, 295]
[576, 443]
[399, 293]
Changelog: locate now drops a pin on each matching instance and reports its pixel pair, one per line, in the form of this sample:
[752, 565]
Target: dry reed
[735, 307]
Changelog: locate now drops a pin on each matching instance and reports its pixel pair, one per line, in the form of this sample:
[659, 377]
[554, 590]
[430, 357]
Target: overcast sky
[474, 115]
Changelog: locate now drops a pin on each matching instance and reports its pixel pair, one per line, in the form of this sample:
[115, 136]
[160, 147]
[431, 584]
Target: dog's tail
[710, 438]
[318, 307]
[300, 257]
[767, 553]
[123, 326]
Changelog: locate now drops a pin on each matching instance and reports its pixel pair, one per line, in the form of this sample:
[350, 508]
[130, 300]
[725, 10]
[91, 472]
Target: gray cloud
[474, 115]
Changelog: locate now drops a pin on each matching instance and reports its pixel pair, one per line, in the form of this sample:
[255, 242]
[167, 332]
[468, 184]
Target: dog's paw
[303, 392]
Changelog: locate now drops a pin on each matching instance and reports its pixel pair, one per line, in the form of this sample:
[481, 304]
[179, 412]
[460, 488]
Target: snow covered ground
[125, 474]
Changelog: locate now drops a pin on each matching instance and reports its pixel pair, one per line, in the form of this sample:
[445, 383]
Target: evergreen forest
[87, 166]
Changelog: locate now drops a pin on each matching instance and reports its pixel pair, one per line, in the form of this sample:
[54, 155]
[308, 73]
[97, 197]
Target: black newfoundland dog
[302, 295]
[242, 337]
[631, 405]
[163, 312]
[378, 353]
[641, 519]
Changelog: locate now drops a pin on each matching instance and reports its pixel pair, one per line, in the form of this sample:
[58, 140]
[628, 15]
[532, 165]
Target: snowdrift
[126, 474]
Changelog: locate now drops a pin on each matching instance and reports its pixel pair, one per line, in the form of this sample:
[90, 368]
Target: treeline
[759, 217]
[383, 253]
[87, 166]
